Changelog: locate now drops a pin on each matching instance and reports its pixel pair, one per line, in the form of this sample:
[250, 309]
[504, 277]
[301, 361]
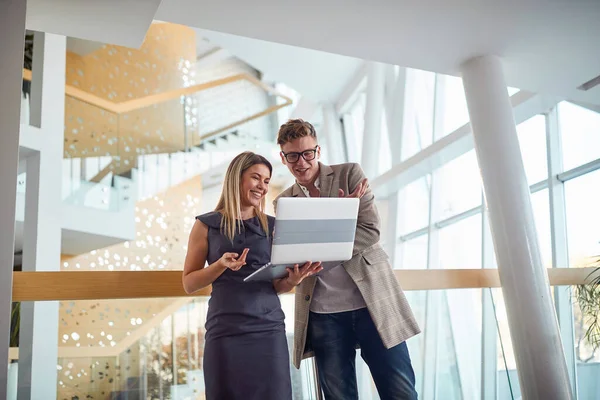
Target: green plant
[28, 51]
[15, 323]
[28, 60]
[588, 298]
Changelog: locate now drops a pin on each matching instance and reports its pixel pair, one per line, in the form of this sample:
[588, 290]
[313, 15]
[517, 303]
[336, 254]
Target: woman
[245, 353]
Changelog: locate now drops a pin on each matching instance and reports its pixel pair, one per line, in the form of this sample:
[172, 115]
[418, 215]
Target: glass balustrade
[153, 348]
[140, 349]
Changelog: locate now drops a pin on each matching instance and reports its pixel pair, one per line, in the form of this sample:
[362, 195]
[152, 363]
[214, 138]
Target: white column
[373, 115]
[396, 91]
[532, 319]
[38, 346]
[12, 44]
[336, 147]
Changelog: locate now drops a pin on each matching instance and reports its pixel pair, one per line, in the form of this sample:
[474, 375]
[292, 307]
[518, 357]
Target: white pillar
[373, 115]
[38, 346]
[532, 319]
[336, 147]
[396, 92]
[395, 116]
[12, 44]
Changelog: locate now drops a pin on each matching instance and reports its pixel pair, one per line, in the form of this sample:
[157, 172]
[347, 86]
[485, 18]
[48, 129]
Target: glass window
[583, 237]
[412, 254]
[460, 185]
[451, 322]
[418, 112]
[541, 214]
[454, 109]
[413, 213]
[385, 151]
[512, 90]
[532, 140]
[460, 244]
[357, 116]
[508, 382]
[583, 218]
[463, 342]
[580, 134]
[455, 112]
[449, 380]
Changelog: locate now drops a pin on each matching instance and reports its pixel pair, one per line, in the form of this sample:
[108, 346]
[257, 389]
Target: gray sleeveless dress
[246, 353]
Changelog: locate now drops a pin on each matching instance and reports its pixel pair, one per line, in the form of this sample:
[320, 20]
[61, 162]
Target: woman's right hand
[233, 261]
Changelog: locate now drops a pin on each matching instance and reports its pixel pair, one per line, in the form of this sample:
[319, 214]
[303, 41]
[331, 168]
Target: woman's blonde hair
[230, 202]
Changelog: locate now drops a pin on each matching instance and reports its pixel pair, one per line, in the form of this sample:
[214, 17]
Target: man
[358, 303]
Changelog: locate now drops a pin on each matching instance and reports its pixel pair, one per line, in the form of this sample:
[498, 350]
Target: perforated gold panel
[118, 74]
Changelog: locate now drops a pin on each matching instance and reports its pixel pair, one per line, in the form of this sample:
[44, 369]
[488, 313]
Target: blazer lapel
[296, 191]
[326, 180]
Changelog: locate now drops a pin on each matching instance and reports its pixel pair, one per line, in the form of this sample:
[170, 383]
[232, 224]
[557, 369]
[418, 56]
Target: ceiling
[117, 22]
[547, 46]
[82, 47]
[317, 75]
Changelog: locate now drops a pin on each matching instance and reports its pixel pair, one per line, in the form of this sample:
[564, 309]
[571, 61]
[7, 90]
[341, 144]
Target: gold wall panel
[163, 224]
[119, 74]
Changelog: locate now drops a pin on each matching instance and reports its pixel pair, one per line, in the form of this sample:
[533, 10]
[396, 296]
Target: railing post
[38, 345]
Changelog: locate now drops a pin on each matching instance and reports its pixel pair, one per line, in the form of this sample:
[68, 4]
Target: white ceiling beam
[551, 49]
[118, 22]
[353, 88]
[305, 109]
[459, 142]
[82, 47]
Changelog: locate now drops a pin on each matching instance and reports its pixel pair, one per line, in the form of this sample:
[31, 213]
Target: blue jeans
[334, 337]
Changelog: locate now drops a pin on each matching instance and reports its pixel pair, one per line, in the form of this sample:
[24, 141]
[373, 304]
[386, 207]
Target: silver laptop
[310, 229]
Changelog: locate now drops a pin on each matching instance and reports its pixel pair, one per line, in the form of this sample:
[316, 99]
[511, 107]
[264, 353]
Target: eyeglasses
[293, 157]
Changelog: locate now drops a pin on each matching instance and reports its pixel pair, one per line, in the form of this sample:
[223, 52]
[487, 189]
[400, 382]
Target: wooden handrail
[95, 285]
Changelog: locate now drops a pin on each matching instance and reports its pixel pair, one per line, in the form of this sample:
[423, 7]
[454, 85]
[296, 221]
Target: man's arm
[368, 223]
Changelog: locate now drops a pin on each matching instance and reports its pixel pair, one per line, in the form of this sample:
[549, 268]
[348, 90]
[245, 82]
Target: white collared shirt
[305, 190]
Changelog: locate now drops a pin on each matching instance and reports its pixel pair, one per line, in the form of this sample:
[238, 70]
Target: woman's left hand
[297, 274]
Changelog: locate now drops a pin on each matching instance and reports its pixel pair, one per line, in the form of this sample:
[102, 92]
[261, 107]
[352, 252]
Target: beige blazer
[369, 267]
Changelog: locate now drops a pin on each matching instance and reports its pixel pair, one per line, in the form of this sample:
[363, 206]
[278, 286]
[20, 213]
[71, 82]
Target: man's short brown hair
[294, 129]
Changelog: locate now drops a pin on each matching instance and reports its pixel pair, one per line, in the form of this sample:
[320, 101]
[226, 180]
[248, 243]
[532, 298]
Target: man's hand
[359, 192]
[297, 274]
